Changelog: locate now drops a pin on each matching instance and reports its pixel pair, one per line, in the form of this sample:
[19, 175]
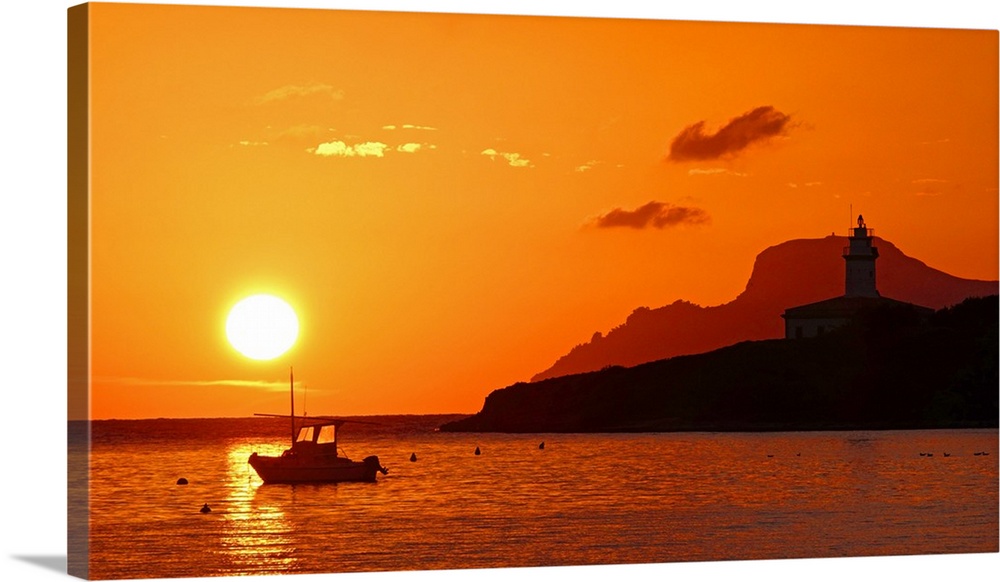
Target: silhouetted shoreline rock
[890, 369]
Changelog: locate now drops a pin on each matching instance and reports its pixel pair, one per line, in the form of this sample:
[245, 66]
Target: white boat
[314, 456]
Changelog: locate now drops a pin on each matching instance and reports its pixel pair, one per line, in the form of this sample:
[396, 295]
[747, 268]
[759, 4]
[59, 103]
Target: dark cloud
[653, 214]
[692, 143]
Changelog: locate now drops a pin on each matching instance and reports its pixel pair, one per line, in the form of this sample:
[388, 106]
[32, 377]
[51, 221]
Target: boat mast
[291, 389]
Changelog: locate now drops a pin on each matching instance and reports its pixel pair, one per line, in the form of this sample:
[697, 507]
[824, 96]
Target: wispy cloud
[295, 135]
[302, 131]
[929, 186]
[342, 150]
[652, 215]
[513, 159]
[715, 172]
[757, 125]
[293, 91]
[409, 126]
[149, 382]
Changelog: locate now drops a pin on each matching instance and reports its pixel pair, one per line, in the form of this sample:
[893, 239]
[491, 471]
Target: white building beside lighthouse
[860, 291]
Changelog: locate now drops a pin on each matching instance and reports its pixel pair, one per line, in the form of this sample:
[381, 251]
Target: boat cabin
[316, 439]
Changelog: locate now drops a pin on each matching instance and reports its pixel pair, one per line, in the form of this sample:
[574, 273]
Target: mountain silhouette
[891, 367]
[792, 273]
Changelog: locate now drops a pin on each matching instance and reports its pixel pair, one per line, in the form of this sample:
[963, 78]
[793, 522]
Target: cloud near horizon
[141, 382]
[652, 215]
[756, 126]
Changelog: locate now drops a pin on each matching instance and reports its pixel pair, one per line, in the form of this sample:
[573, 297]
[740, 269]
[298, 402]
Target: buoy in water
[478, 452]
[541, 445]
[413, 457]
[182, 481]
[206, 509]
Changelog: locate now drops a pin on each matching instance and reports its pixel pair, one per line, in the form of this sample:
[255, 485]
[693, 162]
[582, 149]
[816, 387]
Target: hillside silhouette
[793, 273]
[893, 367]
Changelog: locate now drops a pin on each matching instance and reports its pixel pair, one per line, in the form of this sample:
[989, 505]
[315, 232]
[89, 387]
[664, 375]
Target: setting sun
[262, 327]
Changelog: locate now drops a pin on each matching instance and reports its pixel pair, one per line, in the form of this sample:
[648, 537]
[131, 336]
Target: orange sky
[437, 195]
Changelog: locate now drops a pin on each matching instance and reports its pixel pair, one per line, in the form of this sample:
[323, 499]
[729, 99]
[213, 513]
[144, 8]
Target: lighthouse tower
[860, 294]
[860, 258]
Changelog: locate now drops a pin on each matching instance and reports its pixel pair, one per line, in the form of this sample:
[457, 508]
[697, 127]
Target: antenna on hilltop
[850, 219]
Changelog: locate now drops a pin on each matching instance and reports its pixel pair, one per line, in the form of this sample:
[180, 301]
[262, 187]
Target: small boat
[314, 456]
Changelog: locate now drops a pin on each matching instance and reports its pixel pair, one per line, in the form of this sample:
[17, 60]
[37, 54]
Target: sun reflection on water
[258, 536]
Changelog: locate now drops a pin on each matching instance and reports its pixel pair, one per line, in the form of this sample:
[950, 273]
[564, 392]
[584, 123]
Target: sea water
[580, 499]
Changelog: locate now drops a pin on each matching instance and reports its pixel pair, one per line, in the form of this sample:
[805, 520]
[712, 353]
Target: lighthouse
[859, 257]
[860, 294]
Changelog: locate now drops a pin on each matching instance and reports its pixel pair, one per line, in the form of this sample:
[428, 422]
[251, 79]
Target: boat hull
[290, 469]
